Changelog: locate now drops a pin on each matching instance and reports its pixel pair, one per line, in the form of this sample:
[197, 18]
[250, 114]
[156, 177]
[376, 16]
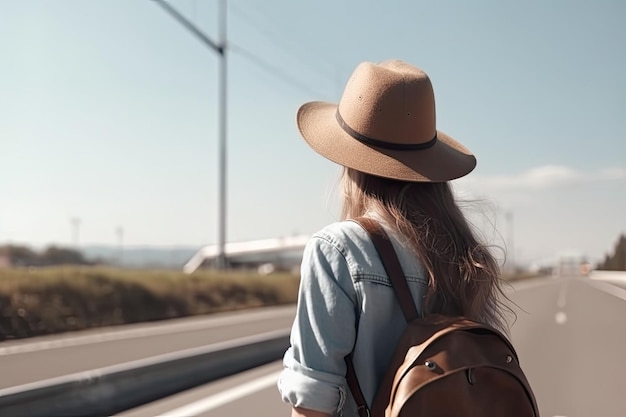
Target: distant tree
[20, 255]
[54, 255]
[616, 261]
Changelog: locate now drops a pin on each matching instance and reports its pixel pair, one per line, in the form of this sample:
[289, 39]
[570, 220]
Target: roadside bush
[38, 301]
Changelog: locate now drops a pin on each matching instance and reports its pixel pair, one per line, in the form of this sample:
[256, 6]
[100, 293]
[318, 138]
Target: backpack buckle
[366, 413]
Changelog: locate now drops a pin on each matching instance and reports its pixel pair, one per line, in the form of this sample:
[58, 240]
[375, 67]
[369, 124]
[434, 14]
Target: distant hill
[141, 257]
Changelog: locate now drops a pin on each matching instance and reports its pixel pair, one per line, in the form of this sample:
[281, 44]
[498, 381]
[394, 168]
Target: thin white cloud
[545, 215]
[613, 174]
[541, 178]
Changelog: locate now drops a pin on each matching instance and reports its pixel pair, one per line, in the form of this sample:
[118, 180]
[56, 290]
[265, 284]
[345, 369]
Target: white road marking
[151, 329]
[562, 297]
[224, 397]
[560, 318]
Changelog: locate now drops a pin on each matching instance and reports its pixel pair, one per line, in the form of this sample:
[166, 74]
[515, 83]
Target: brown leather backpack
[443, 366]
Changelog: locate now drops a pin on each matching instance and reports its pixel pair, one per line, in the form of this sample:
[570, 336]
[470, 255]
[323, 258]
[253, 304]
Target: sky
[109, 115]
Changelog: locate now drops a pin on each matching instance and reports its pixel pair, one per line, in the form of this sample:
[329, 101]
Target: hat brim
[444, 161]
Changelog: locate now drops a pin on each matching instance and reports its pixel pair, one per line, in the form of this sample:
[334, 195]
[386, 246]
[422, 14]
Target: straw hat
[385, 125]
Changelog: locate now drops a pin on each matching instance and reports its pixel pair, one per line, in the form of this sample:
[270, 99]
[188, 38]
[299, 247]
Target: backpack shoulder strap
[391, 264]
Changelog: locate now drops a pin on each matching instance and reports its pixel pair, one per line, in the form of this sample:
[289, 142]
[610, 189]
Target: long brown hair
[464, 277]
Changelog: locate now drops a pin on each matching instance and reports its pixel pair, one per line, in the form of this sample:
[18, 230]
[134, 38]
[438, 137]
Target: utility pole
[75, 221]
[119, 231]
[511, 244]
[220, 48]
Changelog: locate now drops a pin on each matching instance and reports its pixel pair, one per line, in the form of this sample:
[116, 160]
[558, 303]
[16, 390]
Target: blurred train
[265, 256]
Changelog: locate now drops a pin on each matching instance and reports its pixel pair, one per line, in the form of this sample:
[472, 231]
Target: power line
[273, 36]
[190, 26]
[272, 69]
[310, 45]
[220, 49]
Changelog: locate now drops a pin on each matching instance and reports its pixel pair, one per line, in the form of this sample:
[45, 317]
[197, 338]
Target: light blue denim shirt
[345, 301]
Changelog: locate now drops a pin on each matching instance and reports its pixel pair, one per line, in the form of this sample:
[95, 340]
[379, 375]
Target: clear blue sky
[108, 113]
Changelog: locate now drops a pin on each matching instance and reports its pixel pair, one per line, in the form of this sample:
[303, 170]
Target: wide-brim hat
[385, 125]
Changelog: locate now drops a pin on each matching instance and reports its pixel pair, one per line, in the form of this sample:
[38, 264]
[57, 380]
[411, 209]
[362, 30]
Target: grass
[38, 301]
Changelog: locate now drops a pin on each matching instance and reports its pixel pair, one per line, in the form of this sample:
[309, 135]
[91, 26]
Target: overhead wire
[272, 36]
[276, 38]
[272, 69]
[254, 58]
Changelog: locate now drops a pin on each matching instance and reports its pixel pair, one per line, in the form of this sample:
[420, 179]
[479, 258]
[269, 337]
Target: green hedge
[38, 301]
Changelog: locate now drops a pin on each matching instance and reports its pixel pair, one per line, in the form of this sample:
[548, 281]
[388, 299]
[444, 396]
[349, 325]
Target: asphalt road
[40, 358]
[572, 346]
[570, 336]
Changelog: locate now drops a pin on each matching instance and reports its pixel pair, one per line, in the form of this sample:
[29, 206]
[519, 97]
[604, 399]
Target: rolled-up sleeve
[323, 331]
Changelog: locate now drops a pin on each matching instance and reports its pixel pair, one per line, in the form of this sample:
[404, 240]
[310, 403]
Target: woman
[397, 166]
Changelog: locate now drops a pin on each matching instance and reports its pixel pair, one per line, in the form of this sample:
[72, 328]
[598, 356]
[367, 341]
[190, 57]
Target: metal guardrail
[113, 389]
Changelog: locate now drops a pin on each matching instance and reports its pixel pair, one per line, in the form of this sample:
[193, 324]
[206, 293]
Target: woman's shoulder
[342, 233]
[349, 231]
[346, 241]
[352, 241]
[343, 238]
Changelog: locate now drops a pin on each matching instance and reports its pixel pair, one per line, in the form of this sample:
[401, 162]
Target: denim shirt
[345, 302]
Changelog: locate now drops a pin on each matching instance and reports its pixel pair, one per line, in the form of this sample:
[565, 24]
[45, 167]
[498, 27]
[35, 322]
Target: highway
[248, 393]
[569, 333]
[40, 358]
[572, 342]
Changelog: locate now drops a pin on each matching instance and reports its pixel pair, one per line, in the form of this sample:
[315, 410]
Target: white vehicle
[268, 255]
